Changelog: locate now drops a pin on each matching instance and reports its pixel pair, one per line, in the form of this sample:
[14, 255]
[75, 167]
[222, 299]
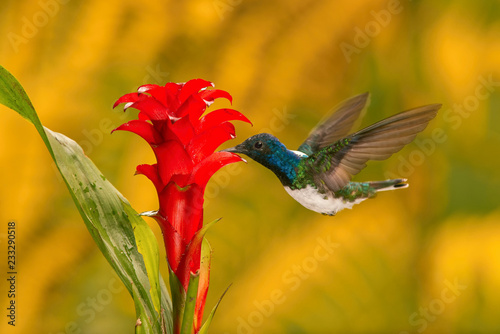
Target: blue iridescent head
[271, 153]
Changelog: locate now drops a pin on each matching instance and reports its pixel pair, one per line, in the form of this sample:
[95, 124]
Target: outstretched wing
[337, 125]
[334, 165]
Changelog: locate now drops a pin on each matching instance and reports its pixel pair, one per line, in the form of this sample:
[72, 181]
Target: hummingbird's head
[261, 148]
[267, 150]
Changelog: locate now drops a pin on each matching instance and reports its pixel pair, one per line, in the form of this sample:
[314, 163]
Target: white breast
[311, 199]
[300, 154]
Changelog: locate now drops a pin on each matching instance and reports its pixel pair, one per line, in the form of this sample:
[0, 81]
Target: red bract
[171, 120]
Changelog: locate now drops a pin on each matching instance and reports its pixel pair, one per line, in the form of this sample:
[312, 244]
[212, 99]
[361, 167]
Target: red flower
[184, 141]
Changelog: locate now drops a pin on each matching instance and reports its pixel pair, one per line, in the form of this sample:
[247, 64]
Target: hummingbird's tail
[389, 184]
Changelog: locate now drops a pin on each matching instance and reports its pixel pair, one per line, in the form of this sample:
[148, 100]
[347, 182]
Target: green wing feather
[336, 125]
[335, 164]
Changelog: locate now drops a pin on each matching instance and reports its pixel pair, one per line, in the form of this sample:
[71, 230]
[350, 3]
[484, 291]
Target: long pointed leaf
[206, 325]
[107, 214]
[150, 253]
[189, 307]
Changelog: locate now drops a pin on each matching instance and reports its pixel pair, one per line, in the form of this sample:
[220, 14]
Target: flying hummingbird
[318, 175]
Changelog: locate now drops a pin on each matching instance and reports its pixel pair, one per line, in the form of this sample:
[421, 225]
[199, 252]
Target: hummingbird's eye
[258, 144]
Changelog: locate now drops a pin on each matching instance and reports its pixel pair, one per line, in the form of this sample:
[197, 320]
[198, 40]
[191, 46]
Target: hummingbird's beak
[231, 149]
[237, 149]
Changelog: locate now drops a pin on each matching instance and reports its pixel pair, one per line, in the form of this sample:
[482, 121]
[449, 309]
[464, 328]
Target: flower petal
[206, 168]
[203, 283]
[152, 108]
[172, 91]
[194, 106]
[142, 128]
[142, 116]
[210, 95]
[190, 261]
[164, 95]
[174, 243]
[192, 87]
[206, 142]
[130, 97]
[183, 129]
[151, 172]
[172, 159]
[181, 210]
[147, 88]
[219, 116]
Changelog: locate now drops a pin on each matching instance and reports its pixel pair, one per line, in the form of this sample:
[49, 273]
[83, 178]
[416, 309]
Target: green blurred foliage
[391, 261]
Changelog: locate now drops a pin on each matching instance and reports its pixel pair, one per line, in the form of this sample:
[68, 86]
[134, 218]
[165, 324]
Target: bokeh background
[425, 259]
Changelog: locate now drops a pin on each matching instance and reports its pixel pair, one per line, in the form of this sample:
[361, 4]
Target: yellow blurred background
[421, 260]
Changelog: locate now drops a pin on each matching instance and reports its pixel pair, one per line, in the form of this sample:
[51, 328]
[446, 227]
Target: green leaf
[178, 298]
[141, 326]
[190, 305]
[108, 216]
[206, 325]
[147, 246]
[12, 95]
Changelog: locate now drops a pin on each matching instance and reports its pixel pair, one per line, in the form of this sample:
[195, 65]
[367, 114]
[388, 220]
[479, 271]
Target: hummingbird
[318, 174]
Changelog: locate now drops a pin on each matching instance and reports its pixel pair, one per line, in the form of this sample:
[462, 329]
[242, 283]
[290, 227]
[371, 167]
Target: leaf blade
[106, 213]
